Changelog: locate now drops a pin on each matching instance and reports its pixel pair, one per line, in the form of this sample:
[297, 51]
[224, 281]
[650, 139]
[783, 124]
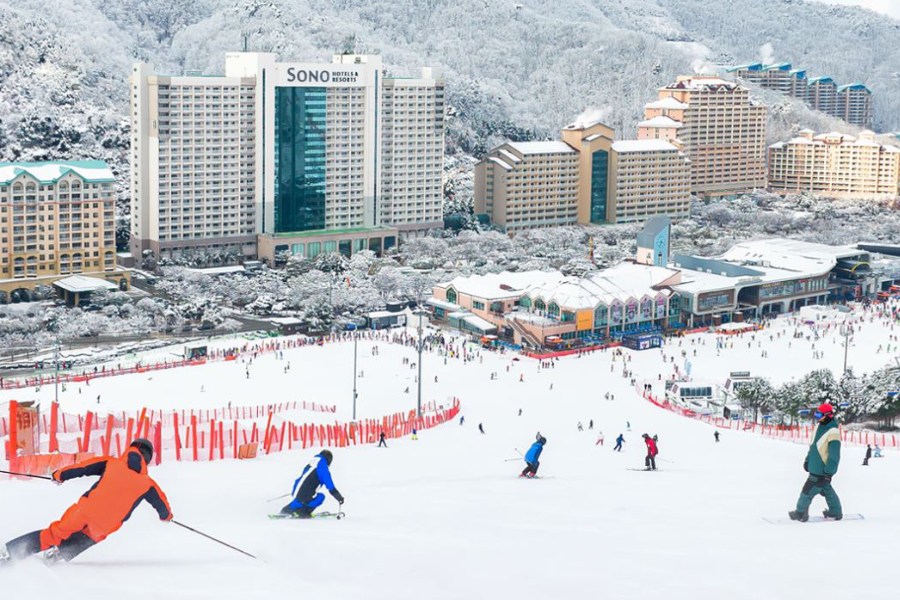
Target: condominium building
[315, 153]
[720, 129]
[193, 164]
[528, 185]
[587, 177]
[835, 164]
[851, 102]
[651, 178]
[56, 219]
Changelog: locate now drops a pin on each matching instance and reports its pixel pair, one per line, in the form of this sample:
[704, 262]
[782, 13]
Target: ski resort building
[753, 279]
[58, 220]
[852, 102]
[835, 164]
[270, 154]
[720, 130]
[587, 177]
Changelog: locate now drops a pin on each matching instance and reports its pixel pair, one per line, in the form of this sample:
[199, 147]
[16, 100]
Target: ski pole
[28, 475]
[213, 539]
[278, 498]
[512, 459]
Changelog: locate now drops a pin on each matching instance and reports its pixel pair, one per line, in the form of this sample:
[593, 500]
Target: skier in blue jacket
[314, 475]
[533, 455]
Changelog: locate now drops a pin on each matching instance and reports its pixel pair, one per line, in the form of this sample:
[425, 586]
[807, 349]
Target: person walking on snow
[868, 455]
[580, 426]
[306, 499]
[821, 463]
[415, 434]
[123, 484]
[462, 419]
[381, 442]
[619, 441]
[599, 438]
[532, 457]
[652, 451]
[480, 428]
[716, 435]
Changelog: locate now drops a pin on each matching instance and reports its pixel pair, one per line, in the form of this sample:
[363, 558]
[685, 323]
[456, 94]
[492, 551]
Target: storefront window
[601, 316]
[451, 296]
[646, 309]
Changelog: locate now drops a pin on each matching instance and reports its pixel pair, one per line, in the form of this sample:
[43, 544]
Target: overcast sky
[888, 7]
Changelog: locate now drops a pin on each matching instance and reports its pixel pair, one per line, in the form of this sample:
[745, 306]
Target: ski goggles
[819, 415]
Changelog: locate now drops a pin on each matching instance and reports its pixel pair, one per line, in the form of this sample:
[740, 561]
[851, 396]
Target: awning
[480, 324]
[442, 304]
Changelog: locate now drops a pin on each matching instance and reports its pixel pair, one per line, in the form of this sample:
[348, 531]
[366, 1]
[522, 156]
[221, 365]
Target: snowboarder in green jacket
[821, 463]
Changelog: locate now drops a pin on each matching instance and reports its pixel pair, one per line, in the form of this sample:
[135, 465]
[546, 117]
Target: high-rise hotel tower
[276, 158]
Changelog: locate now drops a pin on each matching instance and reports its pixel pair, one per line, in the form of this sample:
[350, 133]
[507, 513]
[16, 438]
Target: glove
[55, 477]
[806, 465]
[168, 519]
[337, 496]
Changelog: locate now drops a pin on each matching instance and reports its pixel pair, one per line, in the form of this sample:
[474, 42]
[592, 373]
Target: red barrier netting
[200, 435]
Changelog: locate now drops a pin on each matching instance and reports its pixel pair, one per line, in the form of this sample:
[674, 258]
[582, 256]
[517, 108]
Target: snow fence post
[177, 436]
[12, 449]
[194, 435]
[54, 424]
[157, 441]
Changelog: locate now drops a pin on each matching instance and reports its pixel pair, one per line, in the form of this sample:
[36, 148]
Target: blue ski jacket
[312, 478]
[534, 453]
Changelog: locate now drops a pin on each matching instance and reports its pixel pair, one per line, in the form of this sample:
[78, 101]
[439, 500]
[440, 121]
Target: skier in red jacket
[652, 451]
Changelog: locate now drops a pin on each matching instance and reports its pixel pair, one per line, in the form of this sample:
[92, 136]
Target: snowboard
[536, 477]
[319, 515]
[813, 519]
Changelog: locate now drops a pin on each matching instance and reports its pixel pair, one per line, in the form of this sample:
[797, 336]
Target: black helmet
[144, 447]
[543, 440]
[645, 436]
[326, 454]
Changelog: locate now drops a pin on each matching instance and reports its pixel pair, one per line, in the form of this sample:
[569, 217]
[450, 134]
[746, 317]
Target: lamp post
[421, 313]
[355, 372]
[846, 332]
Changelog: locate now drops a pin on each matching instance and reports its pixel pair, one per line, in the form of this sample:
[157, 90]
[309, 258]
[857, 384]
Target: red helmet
[826, 409]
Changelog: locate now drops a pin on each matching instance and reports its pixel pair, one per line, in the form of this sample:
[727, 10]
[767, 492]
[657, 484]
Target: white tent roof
[83, 283]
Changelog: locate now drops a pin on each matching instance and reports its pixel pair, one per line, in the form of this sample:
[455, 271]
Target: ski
[636, 469]
[813, 519]
[321, 515]
[537, 477]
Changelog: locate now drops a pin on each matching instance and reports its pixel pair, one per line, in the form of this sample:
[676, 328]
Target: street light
[846, 332]
[420, 313]
[355, 339]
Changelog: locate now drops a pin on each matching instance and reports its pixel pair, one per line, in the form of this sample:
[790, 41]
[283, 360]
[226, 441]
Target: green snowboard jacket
[825, 451]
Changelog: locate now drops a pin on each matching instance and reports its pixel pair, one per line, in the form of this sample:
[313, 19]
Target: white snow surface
[446, 517]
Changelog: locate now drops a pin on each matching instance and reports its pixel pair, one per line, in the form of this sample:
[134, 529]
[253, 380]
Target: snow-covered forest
[63, 72]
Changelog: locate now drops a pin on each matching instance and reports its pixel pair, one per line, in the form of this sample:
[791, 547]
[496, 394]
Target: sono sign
[315, 75]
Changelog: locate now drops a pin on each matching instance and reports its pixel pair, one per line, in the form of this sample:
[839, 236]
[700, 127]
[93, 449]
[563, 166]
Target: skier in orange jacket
[123, 484]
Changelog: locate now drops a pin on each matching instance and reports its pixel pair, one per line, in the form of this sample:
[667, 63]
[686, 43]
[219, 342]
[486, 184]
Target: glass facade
[599, 179]
[299, 159]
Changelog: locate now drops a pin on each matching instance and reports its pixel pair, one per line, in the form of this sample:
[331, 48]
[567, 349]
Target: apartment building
[587, 177]
[193, 164]
[651, 178]
[528, 185]
[835, 164]
[720, 130]
[413, 153]
[297, 153]
[852, 102]
[56, 219]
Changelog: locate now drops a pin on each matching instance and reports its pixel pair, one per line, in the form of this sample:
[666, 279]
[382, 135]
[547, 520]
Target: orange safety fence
[801, 434]
[208, 439]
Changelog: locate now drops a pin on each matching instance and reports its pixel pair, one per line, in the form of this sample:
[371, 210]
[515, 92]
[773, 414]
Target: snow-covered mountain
[514, 68]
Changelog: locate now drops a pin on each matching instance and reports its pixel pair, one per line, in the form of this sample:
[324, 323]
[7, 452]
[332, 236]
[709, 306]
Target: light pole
[846, 344]
[420, 313]
[355, 338]
[56, 384]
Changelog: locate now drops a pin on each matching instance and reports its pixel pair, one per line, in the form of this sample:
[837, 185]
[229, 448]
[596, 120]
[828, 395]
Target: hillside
[514, 69]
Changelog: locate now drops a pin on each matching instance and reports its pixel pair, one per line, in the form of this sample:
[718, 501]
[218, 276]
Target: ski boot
[52, 556]
[5, 558]
[827, 514]
[798, 516]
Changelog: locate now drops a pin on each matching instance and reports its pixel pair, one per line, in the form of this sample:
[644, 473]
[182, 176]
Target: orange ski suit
[123, 484]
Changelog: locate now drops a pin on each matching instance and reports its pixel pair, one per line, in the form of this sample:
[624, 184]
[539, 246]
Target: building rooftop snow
[669, 103]
[624, 146]
[82, 283]
[550, 147]
[661, 121]
[91, 171]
